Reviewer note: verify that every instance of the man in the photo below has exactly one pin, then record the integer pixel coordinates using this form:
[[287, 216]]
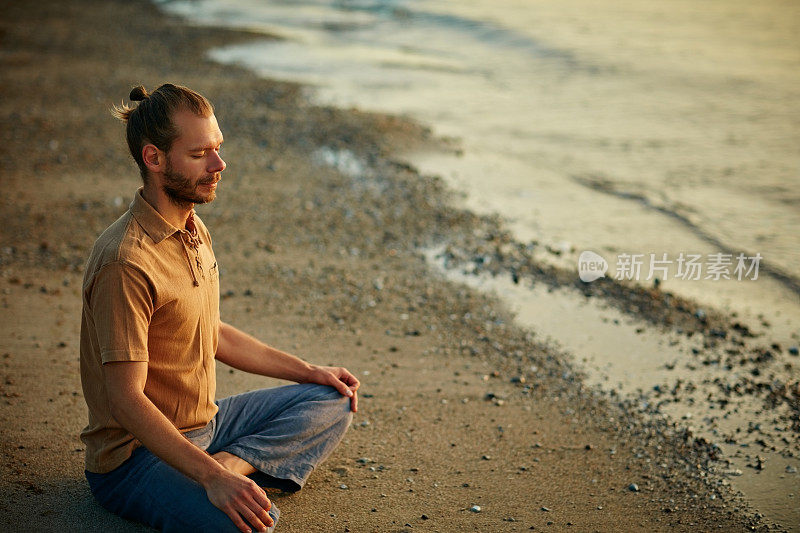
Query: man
[[159, 448]]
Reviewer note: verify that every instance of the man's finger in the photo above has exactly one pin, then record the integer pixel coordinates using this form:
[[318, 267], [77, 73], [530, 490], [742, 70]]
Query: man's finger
[[266, 518], [262, 500], [354, 402], [237, 520], [351, 379], [251, 517], [261, 509], [340, 385]]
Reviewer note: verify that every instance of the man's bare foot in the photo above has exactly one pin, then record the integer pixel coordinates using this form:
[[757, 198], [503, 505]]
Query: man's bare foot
[[234, 463]]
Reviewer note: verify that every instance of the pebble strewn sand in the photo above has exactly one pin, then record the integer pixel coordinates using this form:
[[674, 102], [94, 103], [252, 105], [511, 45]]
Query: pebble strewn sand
[[459, 408]]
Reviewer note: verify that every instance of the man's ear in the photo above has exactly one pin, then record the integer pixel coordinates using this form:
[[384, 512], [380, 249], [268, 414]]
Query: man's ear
[[153, 158]]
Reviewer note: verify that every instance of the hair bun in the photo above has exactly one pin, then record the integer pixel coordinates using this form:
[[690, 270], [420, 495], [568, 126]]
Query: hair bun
[[139, 93]]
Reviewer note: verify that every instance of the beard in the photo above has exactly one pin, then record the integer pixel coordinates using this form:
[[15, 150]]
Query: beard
[[183, 191]]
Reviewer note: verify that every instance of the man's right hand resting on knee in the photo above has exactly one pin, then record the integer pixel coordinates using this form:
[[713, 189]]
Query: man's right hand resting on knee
[[236, 495]]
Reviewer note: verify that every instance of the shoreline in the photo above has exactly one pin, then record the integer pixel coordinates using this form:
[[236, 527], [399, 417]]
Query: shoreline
[[332, 267], [604, 178]]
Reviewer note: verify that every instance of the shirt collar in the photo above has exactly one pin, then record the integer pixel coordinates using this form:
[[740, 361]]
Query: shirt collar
[[156, 227]]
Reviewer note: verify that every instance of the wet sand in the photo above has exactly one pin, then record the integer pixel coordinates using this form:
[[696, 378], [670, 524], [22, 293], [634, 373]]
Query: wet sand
[[459, 405]]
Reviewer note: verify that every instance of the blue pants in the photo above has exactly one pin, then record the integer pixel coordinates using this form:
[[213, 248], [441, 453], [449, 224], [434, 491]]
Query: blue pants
[[284, 432]]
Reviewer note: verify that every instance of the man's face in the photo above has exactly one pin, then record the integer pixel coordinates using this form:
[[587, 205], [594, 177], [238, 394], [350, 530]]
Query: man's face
[[193, 164]]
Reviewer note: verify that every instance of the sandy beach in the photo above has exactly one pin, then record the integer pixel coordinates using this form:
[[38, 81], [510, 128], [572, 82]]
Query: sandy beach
[[459, 405]]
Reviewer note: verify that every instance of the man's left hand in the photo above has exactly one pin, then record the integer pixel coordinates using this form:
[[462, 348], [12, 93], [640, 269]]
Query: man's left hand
[[339, 378]]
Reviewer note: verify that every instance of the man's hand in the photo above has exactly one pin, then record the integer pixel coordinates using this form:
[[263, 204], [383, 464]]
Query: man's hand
[[240, 350], [240, 497], [236, 495], [337, 377]]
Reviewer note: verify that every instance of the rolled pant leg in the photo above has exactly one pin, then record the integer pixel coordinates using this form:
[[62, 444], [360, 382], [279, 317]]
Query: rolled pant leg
[[284, 432], [146, 489]]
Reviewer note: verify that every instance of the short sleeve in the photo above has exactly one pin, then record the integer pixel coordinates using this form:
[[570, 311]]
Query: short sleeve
[[121, 304]]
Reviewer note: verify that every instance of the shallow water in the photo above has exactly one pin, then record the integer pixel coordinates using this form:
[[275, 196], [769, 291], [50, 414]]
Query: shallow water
[[635, 128], [626, 127], [621, 354]]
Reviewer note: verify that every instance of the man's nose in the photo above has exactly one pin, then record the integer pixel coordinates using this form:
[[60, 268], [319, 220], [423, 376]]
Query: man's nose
[[216, 164]]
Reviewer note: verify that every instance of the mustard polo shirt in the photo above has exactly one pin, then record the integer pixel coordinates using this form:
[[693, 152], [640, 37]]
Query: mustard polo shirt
[[150, 293]]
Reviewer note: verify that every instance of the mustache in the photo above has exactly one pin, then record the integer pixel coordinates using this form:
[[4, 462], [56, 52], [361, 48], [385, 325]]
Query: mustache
[[211, 180]]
